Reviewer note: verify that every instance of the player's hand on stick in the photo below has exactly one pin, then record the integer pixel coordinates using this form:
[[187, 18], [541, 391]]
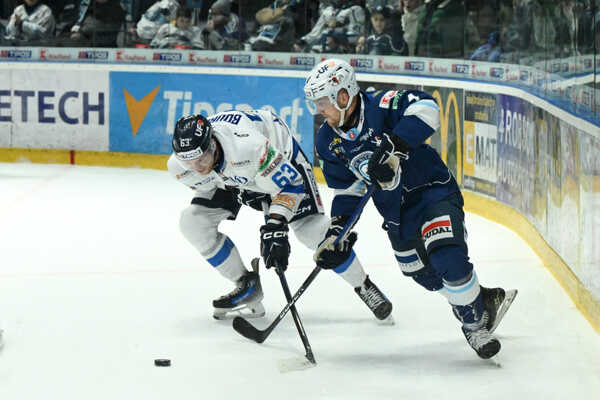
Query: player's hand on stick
[[328, 256], [274, 244]]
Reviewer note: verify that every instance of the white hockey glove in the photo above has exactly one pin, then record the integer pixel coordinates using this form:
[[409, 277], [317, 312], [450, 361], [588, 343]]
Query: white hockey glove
[[328, 256], [384, 166]]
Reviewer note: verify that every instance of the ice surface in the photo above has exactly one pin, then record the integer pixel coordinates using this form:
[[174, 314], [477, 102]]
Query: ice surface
[[96, 282]]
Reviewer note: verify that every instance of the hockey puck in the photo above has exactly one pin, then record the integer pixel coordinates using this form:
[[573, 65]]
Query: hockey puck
[[162, 362]]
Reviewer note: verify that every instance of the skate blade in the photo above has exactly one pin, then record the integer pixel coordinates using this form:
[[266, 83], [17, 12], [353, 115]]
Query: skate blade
[[389, 321], [509, 297], [245, 310], [294, 364]]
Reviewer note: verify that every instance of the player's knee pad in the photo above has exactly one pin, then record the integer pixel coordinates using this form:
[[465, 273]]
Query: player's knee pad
[[413, 262], [199, 226], [451, 263], [311, 229]]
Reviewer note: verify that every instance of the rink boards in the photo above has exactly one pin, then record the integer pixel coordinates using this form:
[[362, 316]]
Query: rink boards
[[526, 162]]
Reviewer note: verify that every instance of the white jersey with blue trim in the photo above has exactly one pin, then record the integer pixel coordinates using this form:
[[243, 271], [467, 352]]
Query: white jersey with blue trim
[[258, 155]]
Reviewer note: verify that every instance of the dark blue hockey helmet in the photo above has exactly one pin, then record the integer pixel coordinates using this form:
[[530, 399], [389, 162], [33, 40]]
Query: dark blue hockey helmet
[[192, 137]]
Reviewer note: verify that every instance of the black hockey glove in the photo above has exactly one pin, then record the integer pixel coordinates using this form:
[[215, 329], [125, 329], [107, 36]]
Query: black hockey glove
[[384, 166], [327, 256], [253, 199], [274, 244]]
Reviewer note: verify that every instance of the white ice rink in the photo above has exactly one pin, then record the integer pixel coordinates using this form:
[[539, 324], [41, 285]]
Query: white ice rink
[[96, 282]]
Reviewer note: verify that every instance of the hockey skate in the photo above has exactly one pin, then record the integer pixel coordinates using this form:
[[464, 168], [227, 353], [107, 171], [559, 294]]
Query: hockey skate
[[480, 339], [496, 302], [244, 300], [376, 301]]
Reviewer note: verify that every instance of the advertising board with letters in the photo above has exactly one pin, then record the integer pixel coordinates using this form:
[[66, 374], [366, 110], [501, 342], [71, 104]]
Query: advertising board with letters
[[54, 109], [145, 106]]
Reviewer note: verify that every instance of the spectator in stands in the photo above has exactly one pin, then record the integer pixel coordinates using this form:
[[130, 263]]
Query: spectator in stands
[[585, 31], [410, 22], [540, 30], [160, 13], [596, 30], [490, 51], [179, 34], [444, 31], [383, 40], [343, 18], [277, 31], [374, 4], [65, 13], [224, 30], [99, 23], [31, 22]]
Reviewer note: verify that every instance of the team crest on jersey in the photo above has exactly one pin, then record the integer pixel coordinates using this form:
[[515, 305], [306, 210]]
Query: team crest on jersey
[[387, 98], [358, 165], [436, 229]]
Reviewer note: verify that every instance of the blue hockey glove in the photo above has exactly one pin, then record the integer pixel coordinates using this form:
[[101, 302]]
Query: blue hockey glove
[[384, 166], [253, 199], [274, 244], [328, 256]]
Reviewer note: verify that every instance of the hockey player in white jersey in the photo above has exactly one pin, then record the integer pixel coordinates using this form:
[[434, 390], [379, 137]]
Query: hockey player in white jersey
[[250, 158]]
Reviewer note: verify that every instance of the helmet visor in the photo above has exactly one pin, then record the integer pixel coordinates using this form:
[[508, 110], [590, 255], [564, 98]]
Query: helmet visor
[[319, 105], [201, 160]]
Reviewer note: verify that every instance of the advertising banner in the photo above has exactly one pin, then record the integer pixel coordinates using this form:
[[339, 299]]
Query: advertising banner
[[54, 109], [480, 149], [543, 163], [516, 163], [589, 148], [145, 106], [449, 141]]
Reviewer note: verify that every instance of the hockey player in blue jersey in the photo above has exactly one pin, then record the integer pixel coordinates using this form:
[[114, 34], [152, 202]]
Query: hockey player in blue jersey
[[378, 139]]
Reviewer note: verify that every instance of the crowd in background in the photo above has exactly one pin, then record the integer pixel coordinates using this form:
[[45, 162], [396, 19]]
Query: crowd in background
[[487, 30]]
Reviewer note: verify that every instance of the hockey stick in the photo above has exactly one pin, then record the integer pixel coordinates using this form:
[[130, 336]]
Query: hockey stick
[[246, 329], [288, 296]]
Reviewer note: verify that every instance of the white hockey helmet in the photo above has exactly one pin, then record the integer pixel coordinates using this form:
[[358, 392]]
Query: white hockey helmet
[[325, 81]]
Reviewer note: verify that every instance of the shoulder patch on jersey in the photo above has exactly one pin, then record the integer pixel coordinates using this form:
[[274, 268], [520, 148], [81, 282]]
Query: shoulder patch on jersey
[[387, 98], [272, 166], [266, 158]]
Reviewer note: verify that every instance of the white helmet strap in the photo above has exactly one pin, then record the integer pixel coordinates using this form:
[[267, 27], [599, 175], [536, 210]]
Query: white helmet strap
[[343, 110]]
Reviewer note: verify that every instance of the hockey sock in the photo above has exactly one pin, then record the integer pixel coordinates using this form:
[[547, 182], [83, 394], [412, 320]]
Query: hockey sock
[[226, 259], [352, 271]]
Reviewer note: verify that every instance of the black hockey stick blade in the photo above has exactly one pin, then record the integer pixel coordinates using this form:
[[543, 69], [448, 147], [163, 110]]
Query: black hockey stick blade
[[247, 330]]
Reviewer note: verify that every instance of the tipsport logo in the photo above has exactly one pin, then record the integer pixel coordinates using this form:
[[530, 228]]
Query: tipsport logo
[[361, 63], [179, 103], [93, 55], [237, 58], [305, 61], [16, 54], [138, 109]]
